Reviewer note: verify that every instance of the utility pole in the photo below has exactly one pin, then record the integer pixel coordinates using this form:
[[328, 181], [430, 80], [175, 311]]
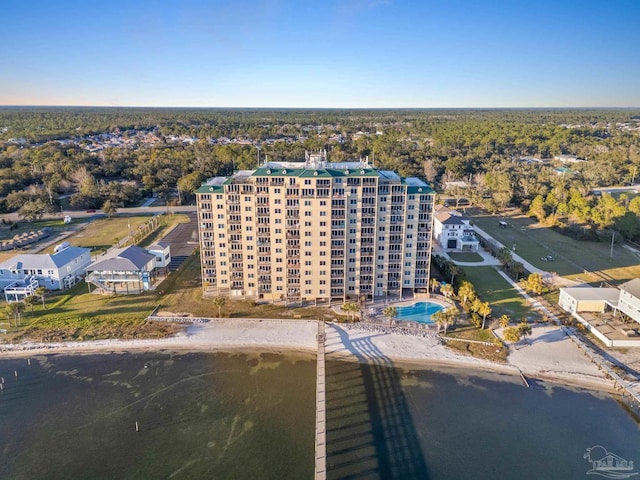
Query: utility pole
[[612, 237]]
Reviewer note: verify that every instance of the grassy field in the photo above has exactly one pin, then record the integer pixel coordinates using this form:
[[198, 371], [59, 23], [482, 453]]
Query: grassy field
[[104, 232], [494, 353], [502, 297], [587, 261], [465, 257]]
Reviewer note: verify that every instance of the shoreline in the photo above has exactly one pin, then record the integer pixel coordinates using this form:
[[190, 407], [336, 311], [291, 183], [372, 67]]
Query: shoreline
[[352, 344]]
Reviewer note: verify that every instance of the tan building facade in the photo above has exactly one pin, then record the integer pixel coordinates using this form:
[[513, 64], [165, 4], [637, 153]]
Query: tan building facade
[[315, 230]]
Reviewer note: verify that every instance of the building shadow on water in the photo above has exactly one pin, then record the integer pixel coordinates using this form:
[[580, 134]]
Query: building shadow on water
[[370, 430]]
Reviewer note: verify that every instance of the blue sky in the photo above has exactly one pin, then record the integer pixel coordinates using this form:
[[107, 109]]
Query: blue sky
[[342, 53]]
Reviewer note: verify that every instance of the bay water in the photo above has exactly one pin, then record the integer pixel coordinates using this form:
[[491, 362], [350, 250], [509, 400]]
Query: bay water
[[252, 416]]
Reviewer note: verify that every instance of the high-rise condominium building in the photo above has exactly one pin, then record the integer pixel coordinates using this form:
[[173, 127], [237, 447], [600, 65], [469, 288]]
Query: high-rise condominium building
[[315, 230]]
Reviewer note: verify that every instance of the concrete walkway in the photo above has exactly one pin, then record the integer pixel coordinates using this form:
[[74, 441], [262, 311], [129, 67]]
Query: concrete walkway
[[487, 258]]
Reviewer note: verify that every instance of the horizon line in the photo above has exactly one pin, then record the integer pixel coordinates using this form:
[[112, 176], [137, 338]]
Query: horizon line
[[611, 107]]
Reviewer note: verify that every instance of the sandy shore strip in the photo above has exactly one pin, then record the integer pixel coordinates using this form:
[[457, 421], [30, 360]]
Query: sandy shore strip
[[547, 356]]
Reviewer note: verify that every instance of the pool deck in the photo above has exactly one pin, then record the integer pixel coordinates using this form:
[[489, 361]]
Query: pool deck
[[372, 311]]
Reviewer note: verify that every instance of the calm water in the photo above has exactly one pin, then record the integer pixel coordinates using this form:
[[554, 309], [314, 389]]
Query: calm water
[[223, 416], [418, 312]]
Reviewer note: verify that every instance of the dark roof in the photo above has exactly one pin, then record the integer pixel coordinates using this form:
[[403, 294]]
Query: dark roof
[[446, 218], [126, 259], [632, 287]]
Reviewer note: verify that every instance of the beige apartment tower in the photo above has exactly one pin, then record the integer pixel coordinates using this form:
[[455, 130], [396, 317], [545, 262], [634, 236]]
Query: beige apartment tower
[[315, 231]]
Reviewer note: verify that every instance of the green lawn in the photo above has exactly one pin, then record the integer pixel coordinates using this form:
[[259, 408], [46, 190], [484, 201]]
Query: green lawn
[[572, 258], [103, 233], [502, 297], [465, 257]]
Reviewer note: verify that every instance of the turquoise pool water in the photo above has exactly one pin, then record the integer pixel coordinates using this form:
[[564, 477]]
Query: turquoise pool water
[[418, 312]]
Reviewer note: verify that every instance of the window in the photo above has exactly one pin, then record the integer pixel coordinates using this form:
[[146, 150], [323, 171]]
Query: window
[[307, 203], [322, 263], [323, 224], [307, 263], [307, 292], [220, 216], [307, 224], [323, 214]]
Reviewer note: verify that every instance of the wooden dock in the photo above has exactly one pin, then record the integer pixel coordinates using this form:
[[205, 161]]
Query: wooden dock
[[321, 412]]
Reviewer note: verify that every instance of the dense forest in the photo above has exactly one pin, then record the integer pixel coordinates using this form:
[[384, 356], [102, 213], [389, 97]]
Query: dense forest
[[493, 157]]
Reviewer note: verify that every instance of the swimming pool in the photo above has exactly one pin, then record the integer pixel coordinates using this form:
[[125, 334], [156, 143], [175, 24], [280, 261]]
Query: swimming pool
[[418, 312]]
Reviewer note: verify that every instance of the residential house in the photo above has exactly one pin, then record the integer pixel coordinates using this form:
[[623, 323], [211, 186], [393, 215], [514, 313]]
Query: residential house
[[162, 251], [629, 301], [123, 270], [587, 299], [22, 274], [453, 231]]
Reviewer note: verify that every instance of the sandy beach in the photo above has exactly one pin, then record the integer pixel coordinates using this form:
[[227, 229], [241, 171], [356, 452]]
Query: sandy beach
[[549, 354]]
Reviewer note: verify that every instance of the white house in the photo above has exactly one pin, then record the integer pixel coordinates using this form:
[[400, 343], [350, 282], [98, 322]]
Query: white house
[[54, 271], [162, 251], [629, 301], [453, 231], [588, 299], [124, 270]]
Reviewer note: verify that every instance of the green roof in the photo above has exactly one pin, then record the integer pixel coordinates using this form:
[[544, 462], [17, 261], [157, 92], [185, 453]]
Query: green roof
[[210, 189], [420, 189]]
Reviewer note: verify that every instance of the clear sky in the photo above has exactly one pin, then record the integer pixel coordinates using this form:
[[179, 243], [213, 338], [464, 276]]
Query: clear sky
[[333, 53]]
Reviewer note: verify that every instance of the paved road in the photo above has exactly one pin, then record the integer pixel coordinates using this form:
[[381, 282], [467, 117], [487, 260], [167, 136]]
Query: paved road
[[121, 211]]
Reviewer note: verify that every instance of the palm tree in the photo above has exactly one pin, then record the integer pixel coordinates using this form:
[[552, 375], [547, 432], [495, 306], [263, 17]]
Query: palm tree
[[40, 292], [447, 290], [453, 270], [524, 329], [390, 311], [15, 309], [434, 284], [350, 308], [440, 317], [484, 310], [445, 318], [467, 292], [28, 301], [504, 320], [219, 302], [511, 334]]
